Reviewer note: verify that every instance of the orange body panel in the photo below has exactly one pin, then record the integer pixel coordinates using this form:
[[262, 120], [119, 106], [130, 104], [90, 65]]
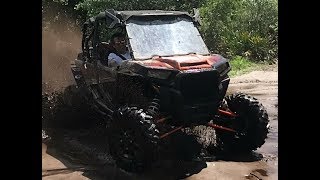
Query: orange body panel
[[186, 62]]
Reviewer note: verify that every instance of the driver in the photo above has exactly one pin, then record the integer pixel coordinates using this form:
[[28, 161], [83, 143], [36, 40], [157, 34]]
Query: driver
[[121, 53]]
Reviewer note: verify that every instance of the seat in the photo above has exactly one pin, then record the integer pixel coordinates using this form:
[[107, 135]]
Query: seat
[[103, 50]]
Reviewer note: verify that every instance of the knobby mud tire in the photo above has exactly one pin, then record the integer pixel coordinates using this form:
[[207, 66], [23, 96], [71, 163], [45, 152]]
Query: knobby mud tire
[[251, 123], [133, 139]]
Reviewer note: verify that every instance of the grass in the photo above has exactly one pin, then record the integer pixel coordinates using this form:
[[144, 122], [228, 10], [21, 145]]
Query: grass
[[241, 65]]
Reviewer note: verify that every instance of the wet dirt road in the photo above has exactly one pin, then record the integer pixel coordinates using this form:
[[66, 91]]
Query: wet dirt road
[[58, 162]]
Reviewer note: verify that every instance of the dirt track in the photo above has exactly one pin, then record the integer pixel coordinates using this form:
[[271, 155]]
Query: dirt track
[[262, 164]]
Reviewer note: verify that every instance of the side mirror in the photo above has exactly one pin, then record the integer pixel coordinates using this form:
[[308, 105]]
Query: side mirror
[[196, 16]]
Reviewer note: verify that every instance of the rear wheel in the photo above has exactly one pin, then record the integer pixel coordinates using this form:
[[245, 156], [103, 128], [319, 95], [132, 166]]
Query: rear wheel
[[251, 124], [133, 139]]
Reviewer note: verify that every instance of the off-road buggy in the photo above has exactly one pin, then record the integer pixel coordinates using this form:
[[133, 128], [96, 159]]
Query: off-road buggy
[[172, 82]]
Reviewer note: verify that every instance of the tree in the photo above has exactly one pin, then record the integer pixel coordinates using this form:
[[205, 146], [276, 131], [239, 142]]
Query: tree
[[241, 27]]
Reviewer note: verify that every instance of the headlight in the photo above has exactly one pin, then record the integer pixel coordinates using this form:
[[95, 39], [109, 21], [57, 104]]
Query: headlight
[[159, 74], [222, 66]]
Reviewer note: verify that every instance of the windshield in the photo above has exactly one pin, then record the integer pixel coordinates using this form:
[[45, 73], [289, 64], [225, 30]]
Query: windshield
[[172, 35]]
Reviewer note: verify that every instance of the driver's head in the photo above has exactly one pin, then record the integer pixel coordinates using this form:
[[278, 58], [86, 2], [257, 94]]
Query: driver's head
[[118, 42]]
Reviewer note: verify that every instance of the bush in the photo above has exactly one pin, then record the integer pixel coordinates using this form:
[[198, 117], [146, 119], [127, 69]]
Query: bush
[[242, 27], [240, 65]]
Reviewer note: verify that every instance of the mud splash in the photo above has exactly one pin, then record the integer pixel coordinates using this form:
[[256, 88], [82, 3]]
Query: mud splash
[[61, 42], [58, 50], [67, 109]]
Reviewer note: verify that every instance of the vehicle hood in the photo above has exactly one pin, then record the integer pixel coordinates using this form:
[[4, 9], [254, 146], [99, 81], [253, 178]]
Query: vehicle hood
[[185, 62]]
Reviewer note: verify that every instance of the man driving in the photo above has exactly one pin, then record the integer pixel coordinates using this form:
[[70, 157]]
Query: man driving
[[121, 53]]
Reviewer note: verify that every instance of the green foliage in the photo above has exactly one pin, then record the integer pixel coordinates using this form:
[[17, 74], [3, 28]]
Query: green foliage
[[241, 27], [93, 7], [60, 15], [240, 65]]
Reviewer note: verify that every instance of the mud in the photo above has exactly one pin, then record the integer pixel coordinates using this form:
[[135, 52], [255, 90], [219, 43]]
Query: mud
[[58, 50], [83, 154]]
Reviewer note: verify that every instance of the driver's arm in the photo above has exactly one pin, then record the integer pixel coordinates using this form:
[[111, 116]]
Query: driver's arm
[[114, 60]]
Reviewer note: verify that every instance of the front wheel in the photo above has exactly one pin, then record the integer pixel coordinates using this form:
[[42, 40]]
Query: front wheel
[[251, 124], [133, 139]]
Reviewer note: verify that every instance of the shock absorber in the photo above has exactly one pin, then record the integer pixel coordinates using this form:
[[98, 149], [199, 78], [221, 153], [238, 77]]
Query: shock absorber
[[154, 107]]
